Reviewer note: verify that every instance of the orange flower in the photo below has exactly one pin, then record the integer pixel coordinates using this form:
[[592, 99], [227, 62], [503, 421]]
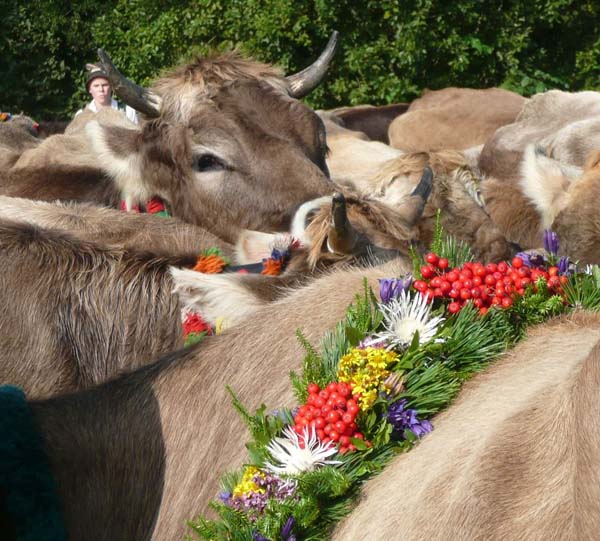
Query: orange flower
[[210, 264]]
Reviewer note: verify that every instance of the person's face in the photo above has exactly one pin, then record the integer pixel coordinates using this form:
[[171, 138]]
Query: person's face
[[100, 91]]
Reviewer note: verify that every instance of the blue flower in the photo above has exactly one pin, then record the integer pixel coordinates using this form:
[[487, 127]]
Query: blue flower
[[390, 288], [401, 419]]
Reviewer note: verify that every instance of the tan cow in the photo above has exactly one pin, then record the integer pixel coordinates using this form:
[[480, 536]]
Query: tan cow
[[454, 119], [566, 205], [565, 126], [142, 454], [517, 456], [352, 158], [155, 441]]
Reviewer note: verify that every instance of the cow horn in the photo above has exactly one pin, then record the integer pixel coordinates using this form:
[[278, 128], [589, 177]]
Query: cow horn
[[341, 238], [423, 189], [141, 99], [303, 82]]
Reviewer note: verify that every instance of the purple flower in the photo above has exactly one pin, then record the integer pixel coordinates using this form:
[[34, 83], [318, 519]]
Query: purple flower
[[225, 497], [286, 531], [551, 242], [390, 288], [401, 419], [531, 259], [565, 266]]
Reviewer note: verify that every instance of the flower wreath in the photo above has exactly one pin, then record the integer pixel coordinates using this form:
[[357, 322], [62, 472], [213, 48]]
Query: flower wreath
[[370, 391]]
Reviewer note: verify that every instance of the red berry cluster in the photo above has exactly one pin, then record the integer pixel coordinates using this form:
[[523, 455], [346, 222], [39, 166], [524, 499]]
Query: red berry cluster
[[332, 412], [485, 285]]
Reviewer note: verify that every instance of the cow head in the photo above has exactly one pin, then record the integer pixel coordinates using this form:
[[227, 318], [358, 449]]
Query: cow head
[[225, 142]]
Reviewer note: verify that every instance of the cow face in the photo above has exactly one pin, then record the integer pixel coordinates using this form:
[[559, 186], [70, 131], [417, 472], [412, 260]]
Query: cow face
[[229, 146], [249, 158]]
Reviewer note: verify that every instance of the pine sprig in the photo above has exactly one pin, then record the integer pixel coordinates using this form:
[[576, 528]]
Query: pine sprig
[[431, 389], [583, 291]]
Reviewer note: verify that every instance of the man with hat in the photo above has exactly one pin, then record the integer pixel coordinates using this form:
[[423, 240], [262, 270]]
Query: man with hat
[[98, 85]]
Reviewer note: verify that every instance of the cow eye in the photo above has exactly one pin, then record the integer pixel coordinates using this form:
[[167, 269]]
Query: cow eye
[[207, 162]]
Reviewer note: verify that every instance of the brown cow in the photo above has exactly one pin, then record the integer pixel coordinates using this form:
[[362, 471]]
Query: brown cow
[[565, 126], [517, 456], [377, 171], [565, 205], [456, 192], [227, 142], [142, 454], [76, 313], [114, 228], [372, 120], [454, 119]]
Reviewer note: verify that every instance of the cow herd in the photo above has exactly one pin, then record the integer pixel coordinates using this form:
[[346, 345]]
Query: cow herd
[[138, 430]]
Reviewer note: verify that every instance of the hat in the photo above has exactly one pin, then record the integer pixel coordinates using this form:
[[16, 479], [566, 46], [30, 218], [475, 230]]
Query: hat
[[95, 71]]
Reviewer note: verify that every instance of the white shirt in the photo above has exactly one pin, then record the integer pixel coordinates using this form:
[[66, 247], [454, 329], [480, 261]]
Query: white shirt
[[130, 112]]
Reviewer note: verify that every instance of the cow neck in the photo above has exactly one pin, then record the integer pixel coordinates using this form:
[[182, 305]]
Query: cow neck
[[213, 261]]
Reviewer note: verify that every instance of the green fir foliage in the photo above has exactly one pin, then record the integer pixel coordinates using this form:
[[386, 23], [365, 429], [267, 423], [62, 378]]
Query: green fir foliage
[[583, 290]]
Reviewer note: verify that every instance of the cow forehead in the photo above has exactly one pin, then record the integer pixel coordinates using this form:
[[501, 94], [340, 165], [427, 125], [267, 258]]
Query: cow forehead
[[252, 112]]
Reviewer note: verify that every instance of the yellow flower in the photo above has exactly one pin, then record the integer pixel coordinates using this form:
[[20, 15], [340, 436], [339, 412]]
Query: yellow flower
[[365, 370], [247, 483]]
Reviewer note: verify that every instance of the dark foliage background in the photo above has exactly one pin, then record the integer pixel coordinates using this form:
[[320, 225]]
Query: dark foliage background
[[390, 49]]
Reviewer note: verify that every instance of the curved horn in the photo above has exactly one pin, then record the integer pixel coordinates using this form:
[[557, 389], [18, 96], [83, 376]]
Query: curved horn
[[138, 97], [308, 79], [341, 238], [423, 189]]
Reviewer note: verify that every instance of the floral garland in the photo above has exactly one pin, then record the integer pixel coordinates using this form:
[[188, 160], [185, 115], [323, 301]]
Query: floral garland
[[371, 390]]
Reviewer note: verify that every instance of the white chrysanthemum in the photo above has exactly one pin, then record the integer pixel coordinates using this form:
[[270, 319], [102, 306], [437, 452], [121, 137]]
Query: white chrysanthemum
[[293, 459], [589, 269], [404, 316]]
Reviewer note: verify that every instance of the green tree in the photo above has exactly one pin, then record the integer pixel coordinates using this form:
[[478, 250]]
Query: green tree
[[390, 50]]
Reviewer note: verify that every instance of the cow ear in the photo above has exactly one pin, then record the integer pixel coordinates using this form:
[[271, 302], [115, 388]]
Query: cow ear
[[544, 183], [215, 296], [119, 153], [411, 207], [593, 160]]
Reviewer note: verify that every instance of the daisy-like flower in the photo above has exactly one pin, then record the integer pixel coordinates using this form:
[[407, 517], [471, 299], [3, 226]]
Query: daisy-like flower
[[403, 317], [293, 459]]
